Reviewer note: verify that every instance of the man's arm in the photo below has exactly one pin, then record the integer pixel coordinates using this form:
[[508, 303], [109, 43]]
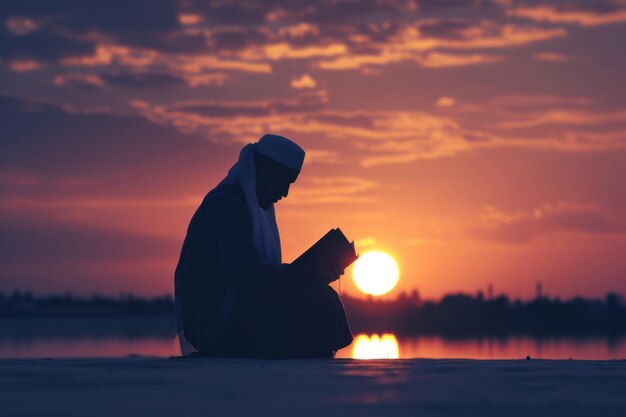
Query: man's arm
[[240, 265]]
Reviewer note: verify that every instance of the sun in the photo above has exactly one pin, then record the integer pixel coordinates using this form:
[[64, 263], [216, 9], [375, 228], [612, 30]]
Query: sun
[[375, 273]]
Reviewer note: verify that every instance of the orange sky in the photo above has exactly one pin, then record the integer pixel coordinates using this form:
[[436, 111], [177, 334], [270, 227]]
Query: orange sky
[[476, 142]]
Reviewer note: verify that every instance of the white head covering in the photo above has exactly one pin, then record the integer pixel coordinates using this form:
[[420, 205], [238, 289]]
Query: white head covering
[[264, 228], [281, 150]]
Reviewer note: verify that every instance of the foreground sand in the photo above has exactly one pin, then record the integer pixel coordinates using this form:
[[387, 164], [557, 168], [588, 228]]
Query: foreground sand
[[213, 387]]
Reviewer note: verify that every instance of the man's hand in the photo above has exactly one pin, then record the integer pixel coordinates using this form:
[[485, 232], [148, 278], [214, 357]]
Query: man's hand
[[330, 273], [323, 273]]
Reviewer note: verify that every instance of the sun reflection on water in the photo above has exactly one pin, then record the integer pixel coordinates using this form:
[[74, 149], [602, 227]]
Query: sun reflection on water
[[375, 347]]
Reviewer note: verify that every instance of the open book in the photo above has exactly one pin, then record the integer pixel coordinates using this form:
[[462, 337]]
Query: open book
[[333, 248]]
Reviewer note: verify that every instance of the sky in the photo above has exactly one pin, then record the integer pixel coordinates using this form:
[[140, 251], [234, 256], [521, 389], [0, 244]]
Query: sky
[[477, 142]]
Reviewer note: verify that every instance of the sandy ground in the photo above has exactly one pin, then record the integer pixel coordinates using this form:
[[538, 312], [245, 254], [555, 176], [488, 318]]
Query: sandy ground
[[139, 386]]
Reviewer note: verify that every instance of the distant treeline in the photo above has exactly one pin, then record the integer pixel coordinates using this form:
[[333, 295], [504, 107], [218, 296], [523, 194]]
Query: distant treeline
[[24, 304], [465, 315], [453, 315]]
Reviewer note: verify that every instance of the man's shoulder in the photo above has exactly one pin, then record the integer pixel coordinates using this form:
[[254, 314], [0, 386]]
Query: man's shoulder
[[226, 197]]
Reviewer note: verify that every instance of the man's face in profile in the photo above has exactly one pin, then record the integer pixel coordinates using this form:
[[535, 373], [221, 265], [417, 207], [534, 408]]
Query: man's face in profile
[[272, 180]]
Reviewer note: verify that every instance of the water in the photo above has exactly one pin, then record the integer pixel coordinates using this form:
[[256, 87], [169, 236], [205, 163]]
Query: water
[[110, 337]]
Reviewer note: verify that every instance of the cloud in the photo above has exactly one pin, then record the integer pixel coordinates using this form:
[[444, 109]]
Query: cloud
[[143, 80], [205, 80], [572, 141], [235, 120], [193, 37], [322, 156], [284, 50], [41, 47], [355, 61], [142, 59], [20, 26], [441, 60], [113, 16], [183, 41], [525, 103], [304, 82], [381, 137], [199, 63], [244, 13], [594, 13], [232, 13], [565, 117], [446, 102], [549, 57], [523, 227], [342, 12], [81, 81], [298, 31], [377, 138], [329, 190], [237, 38], [484, 34], [426, 60], [301, 103], [438, 43], [110, 54], [137, 80], [189, 19], [25, 65]]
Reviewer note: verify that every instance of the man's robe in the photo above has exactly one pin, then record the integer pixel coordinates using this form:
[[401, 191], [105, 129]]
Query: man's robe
[[235, 304]]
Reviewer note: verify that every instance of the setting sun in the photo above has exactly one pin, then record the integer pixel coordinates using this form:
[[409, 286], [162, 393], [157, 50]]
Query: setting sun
[[375, 273]]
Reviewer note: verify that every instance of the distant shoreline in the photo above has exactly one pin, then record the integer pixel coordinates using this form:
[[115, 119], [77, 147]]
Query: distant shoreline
[[455, 315]]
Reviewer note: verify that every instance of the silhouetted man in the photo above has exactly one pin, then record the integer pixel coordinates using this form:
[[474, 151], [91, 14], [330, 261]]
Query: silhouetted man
[[234, 297]]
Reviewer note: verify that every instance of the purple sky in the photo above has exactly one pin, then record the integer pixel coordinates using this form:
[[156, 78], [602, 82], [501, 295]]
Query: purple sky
[[476, 142]]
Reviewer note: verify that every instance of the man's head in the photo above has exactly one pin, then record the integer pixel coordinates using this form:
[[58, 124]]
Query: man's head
[[277, 163]]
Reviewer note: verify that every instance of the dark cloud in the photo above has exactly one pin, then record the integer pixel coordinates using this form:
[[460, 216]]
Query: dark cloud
[[233, 12], [446, 28], [328, 12], [447, 4], [596, 6], [361, 121], [523, 228], [112, 16], [237, 38], [143, 80], [85, 82], [585, 13], [303, 103], [60, 23], [170, 42], [381, 32], [227, 110], [323, 12], [477, 137], [41, 46], [223, 28]]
